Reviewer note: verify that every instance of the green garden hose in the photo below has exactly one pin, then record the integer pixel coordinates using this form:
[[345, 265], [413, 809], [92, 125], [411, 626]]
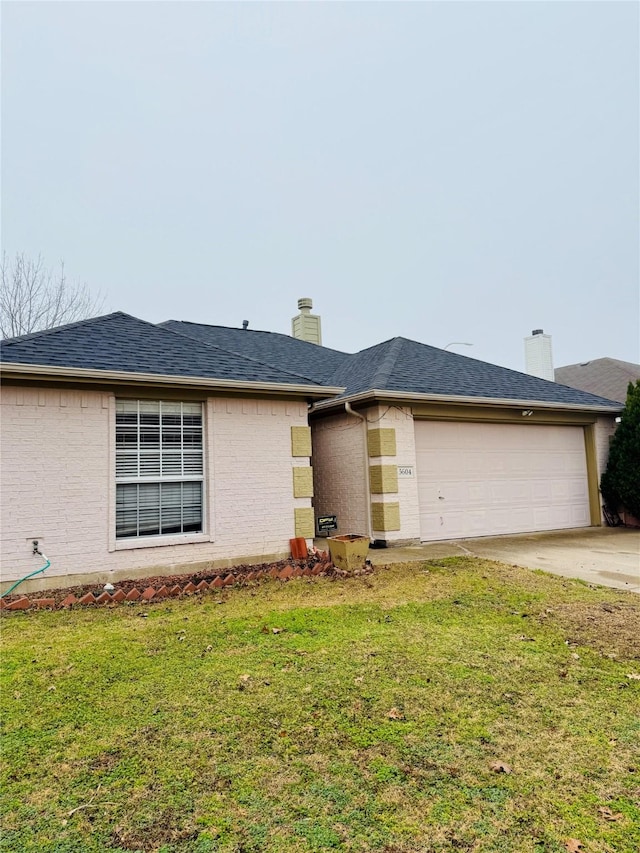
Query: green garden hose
[[26, 578]]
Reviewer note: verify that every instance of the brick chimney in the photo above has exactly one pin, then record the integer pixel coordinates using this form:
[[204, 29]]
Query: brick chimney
[[538, 356]]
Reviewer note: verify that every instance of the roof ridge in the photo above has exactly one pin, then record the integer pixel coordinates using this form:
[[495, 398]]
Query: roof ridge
[[387, 364], [617, 361], [237, 354], [253, 331], [44, 332], [216, 326]]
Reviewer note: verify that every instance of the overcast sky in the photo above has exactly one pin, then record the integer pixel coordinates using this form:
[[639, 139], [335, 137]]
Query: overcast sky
[[443, 171]]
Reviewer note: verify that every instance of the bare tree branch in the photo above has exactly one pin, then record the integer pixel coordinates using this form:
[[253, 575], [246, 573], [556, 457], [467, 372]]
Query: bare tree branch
[[31, 298]]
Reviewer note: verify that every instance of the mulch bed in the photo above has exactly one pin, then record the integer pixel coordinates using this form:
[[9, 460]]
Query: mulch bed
[[159, 587]]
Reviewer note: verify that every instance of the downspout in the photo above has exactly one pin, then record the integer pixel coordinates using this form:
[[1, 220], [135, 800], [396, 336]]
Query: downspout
[[365, 458]]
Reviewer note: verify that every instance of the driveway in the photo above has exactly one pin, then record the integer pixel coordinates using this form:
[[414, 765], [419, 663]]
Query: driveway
[[609, 556]]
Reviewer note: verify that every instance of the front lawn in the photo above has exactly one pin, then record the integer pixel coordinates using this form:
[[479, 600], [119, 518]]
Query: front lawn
[[355, 715]]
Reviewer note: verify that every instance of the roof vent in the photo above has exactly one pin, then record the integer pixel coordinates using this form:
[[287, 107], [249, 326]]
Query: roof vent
[[245, 324], [306, 326]]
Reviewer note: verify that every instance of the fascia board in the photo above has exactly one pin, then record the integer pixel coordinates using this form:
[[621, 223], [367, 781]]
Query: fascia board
[[80, 374], [375, 395]]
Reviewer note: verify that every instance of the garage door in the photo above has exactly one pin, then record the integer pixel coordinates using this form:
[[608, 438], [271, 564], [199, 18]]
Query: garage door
[[488, 479]]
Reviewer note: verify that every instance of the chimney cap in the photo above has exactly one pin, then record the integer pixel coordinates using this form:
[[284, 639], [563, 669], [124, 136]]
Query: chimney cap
[[538, 332], [305, 302]]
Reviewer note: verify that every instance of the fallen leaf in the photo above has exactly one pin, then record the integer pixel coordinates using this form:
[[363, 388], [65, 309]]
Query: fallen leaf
[[573, 845], [634, 675], [276, 630], [50, 688], [607, 814], [526, 639], [395, 714], [500, 767], [575, 656]]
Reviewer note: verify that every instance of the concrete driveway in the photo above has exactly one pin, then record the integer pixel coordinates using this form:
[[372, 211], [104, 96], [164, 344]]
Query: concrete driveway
[[600, 555]]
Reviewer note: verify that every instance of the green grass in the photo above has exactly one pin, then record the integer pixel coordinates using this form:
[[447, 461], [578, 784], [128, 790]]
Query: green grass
[[193, 726]]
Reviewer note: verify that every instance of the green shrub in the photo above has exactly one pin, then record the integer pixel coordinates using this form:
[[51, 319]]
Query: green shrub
[[620, 483]]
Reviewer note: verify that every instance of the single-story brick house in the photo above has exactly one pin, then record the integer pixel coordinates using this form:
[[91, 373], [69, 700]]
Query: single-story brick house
[[129, 448]]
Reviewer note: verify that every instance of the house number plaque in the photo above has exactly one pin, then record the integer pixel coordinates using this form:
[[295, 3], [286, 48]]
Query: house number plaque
[[405, 470]]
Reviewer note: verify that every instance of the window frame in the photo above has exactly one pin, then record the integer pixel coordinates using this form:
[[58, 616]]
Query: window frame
[[138, 451]]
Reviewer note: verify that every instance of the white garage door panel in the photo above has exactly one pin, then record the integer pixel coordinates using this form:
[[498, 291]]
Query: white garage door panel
[[487, 479]]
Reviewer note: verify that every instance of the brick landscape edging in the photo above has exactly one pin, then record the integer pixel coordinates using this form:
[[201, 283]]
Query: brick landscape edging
[[317, 565]]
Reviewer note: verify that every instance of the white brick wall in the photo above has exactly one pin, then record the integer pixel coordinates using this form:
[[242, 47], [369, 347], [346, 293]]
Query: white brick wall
[[401, 419], [338, 471], [58, 484], [605, 428]]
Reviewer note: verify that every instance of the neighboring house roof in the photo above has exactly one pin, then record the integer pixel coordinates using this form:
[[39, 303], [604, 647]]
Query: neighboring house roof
[[118, 345], [287, 353], [119, 342], [401, 365], [607, 377]]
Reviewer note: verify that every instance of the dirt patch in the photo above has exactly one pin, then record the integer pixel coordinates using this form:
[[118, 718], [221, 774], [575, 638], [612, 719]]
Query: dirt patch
[[168, 826], [612, 628]]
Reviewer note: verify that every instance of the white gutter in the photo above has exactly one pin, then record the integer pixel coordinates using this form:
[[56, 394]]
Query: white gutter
[[412, 396], [367, 485], [81, 374]]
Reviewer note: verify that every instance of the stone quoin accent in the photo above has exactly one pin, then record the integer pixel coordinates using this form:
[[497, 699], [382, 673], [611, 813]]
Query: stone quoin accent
[[304, 522], [382, 441], [303, 482], [383, 479], [385, 516], [300, 441]]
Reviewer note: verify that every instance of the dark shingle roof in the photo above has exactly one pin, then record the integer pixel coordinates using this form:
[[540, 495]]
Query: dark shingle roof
[[402, 365], [124, 343], [287, 353], [607, 377]]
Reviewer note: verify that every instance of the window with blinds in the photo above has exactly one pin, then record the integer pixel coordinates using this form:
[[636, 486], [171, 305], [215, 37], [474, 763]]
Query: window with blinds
[[159, 468]]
